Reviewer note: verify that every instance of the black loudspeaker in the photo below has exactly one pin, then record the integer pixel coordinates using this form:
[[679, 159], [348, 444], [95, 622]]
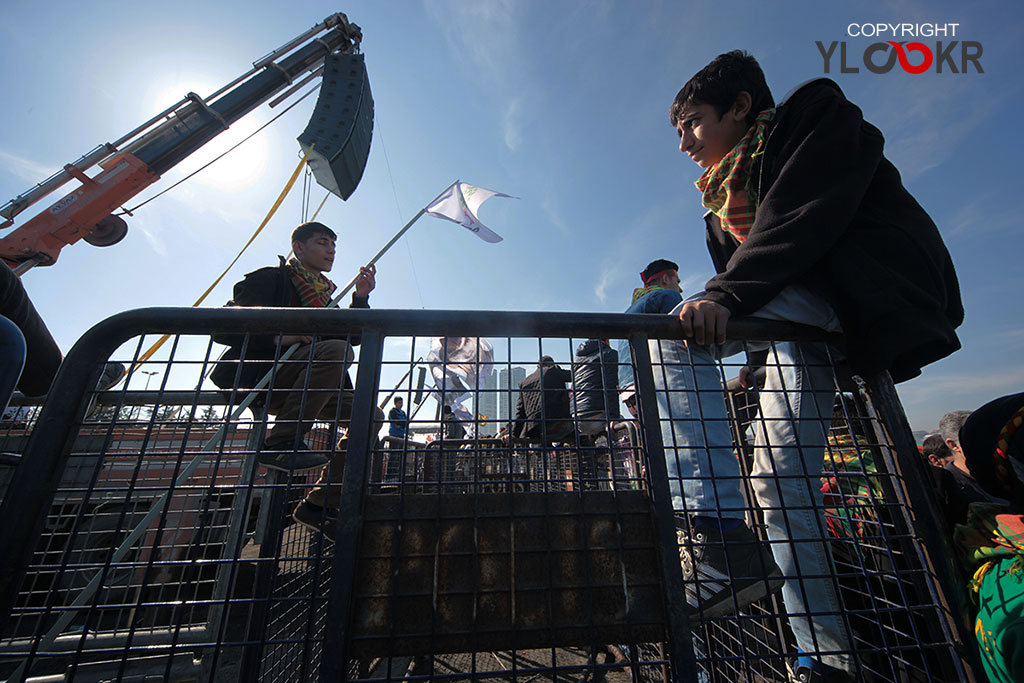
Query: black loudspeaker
[[341, 126], [419, 386]]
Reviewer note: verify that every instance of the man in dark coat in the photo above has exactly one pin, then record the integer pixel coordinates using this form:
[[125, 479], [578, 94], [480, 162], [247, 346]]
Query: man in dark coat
[[808, 222], [595, 386], [542, 411]]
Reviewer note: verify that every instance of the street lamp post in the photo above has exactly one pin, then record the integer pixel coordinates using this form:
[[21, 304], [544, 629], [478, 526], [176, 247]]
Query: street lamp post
[[149, 375]]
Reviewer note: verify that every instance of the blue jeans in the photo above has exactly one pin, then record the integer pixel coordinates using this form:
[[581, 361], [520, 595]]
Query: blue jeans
[[12, 359], [789, 443]]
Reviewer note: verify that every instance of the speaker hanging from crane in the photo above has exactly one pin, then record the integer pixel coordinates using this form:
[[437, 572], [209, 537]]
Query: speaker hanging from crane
[[341, 126]]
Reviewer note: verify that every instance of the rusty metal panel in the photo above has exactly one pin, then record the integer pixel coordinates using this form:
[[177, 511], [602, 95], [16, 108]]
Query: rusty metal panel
[[454, 573]]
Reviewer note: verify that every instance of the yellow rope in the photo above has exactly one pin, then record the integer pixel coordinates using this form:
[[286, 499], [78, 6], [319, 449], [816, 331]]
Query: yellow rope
[[322, 202], [284, 193]]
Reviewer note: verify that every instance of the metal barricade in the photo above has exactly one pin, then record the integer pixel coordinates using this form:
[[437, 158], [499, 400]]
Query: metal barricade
[[146, 541]]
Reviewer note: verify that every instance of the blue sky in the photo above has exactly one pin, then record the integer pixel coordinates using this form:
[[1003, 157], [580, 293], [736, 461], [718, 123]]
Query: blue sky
[[563, 104]]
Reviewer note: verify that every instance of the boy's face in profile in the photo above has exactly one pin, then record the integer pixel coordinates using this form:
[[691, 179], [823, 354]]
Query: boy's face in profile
[[705, 136]]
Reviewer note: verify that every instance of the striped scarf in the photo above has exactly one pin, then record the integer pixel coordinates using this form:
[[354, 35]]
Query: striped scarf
[[314, 288], [640, 291], [727, 188]]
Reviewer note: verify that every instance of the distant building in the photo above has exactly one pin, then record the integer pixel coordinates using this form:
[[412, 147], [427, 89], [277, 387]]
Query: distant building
[[496, 402], [508, 392], [487, 405]]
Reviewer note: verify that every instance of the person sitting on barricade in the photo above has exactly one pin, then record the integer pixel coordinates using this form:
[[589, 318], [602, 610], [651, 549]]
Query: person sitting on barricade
[[595, 387], [542, 411], [314, 382], [991, 542], [809, 223]]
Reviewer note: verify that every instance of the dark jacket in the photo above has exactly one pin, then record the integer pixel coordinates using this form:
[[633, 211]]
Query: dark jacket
[[595, 374], [542, 398], [42, 355], [272, 287], [834, 216]]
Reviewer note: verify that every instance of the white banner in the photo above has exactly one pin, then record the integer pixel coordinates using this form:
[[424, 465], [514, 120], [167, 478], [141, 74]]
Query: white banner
[[461, 203]]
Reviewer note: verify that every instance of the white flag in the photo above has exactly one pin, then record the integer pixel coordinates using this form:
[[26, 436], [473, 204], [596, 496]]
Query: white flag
[[460, 204], [458, 364]]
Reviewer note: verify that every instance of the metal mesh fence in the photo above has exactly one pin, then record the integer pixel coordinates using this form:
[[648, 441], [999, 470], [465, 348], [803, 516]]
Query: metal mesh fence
[[180, 532]]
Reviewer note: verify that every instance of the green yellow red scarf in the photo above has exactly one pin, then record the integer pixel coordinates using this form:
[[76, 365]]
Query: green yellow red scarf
[[727, 188], [991, 533], [314, 288], [640, 291]]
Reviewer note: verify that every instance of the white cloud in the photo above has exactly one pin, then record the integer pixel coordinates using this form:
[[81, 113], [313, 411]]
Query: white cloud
[[555, 216], [916, 139], [29, 170], [606, 278], [964, 387], [512, 124]]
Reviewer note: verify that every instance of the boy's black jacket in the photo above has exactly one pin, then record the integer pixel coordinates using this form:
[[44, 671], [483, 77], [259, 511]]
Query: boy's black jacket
[[835, 217], [271, 286]]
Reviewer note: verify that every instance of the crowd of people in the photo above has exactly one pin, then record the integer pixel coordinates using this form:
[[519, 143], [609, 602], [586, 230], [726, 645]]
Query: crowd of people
[[807, 222]]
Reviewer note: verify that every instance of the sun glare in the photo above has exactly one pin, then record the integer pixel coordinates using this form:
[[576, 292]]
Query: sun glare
[[239, 168]]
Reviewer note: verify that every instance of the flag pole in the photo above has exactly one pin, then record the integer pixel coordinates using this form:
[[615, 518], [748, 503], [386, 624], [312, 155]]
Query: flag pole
[[391, 243]]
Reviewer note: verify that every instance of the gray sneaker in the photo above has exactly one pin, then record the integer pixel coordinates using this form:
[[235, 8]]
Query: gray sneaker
[[287, 459], [726, 572]]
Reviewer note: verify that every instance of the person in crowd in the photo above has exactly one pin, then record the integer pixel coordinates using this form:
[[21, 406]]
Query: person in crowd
[[398, 420], [542, 411], [451, 426], [660, 294], [935, 451], [959, 488], [991, 542], [807, 222], [314, 382], [595, 386]]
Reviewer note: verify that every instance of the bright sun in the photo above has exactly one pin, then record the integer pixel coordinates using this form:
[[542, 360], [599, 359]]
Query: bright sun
[[241, 167]]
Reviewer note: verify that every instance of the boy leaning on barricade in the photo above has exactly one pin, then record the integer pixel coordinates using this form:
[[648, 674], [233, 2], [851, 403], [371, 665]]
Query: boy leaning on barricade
[[809, 223]]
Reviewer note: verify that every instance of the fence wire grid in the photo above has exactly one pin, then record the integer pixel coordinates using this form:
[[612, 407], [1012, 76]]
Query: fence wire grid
[[151, 541]]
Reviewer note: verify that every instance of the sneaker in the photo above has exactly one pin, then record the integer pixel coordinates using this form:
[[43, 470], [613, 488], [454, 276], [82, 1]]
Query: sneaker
[[287, 459], [726, 571], [316, 518]]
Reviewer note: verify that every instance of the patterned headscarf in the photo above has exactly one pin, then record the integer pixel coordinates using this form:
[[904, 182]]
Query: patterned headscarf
[[727, 187], [314, 288]]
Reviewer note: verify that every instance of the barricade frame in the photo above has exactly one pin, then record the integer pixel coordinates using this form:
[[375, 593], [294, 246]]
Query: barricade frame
[[34, 484]]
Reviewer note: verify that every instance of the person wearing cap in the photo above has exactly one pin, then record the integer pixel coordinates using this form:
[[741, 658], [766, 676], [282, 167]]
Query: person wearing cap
[[660, 294]]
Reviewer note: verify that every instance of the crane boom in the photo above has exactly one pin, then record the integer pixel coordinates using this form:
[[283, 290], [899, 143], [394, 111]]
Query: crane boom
[[138, 159]]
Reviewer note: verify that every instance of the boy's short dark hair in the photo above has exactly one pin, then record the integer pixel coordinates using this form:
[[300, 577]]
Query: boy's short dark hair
[[657, 267], [720, 83], [307, 230], [934, 444]]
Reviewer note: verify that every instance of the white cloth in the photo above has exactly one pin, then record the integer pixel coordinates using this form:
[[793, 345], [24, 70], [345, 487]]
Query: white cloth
[[460, 204]]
